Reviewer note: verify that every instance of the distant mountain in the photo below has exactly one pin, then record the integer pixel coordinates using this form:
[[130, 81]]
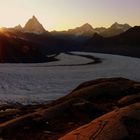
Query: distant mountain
[[84, 30], [87, 30], [18, 28], [100, 30], [129, 37], [96, 39], [115, 29], [34, 26], [122, 27], [24, 47]]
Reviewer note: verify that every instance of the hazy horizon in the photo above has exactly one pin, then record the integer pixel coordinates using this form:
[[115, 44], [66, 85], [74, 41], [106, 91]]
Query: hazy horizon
[[67, 14]]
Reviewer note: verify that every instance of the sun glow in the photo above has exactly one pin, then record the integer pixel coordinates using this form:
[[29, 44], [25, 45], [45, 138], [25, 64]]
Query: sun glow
[[5, 32], [2, 30]]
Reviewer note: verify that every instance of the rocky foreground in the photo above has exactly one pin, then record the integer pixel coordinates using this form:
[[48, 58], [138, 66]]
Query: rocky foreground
[[103, 109]]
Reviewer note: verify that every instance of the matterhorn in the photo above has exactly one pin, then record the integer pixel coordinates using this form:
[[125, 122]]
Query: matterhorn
[[34, 26]]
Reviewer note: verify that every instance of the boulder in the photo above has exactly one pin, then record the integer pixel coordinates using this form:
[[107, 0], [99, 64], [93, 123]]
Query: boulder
[[120, 124]]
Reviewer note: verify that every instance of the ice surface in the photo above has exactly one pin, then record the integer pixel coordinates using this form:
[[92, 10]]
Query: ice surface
[[35, 83]]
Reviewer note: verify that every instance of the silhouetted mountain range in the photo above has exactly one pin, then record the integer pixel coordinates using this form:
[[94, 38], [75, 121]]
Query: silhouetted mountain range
[[130, 37], [17, 50], [17, 46], [87, 30], [115, 29], [33, 43]]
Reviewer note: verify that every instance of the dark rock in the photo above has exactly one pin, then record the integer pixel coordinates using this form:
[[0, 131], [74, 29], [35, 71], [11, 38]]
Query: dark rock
[[127, 100], [116, 125], [84, 104]]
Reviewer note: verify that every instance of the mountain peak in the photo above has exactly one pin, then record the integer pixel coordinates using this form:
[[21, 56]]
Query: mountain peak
[[115, 25], [84, 30], [34, 26], [18, 27], [120, 26], [33, 17], [87, 26]]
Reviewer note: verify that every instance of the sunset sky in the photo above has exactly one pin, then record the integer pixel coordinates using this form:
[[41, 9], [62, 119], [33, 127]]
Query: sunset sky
[[65, 14]]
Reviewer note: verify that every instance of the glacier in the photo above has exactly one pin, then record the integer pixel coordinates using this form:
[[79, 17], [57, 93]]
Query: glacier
[[44, 82]]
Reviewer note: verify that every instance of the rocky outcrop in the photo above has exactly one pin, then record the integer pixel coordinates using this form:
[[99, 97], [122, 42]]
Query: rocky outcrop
[[105, 105], [120, 124]]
